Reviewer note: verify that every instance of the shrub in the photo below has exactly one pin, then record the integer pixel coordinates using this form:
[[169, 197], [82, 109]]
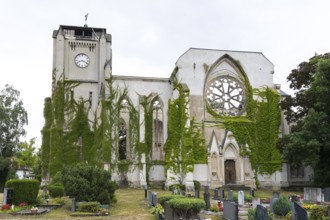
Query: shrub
[[178, 186], [56, 191], [214, 208], [248, 198], [252, 214], [89, 207], [164, 198], [187, 208], [197, 185], [87, 183], [24, 190], [318, 212], [282, 206]]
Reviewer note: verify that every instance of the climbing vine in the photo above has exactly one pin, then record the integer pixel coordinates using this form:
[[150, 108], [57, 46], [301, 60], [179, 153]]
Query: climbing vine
[[257, 132], [185, 145]]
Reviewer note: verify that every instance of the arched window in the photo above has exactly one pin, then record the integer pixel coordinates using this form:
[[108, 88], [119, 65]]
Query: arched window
[[158, 127], [122, 145]]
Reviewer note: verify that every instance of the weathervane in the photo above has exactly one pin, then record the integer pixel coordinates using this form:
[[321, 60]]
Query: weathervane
[[86, 16]]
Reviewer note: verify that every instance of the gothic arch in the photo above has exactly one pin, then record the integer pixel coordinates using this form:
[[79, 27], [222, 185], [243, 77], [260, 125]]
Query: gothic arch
[[224, 87], [158, 128]]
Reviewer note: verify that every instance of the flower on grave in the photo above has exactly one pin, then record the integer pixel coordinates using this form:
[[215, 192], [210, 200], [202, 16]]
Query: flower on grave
[[5, 207], [34, 208], [22, 204]]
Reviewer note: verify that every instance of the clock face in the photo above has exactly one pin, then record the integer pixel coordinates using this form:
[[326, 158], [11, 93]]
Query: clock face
[[81, 60]]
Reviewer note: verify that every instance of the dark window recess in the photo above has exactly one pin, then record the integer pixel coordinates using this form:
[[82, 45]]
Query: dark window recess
[[83, 33]]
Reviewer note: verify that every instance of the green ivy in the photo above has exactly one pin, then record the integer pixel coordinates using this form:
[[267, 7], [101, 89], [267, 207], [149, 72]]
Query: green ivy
[[185, 145]]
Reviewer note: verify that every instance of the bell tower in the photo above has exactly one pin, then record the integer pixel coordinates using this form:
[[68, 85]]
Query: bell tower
[[83, 55]]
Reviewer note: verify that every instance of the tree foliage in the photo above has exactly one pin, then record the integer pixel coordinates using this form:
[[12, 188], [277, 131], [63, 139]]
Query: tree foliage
[[309, 143], [13, 117], [87, 183]]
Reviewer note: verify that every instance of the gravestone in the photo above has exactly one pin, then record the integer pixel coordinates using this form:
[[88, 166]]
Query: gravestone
[[230, 195], [222, 194], [240, 198], [313, 194], [216, 194], [154, 199], [73, 205], [326, 194], [207, 197], [149, 198], [230, 210], [262, 213], [272, 201], [276, 194], [8, 196], [252, 192], [255, 202], [298, 212], [328, 211]]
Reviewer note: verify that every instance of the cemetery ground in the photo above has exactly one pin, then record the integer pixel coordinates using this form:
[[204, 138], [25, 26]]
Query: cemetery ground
[[131, 205]]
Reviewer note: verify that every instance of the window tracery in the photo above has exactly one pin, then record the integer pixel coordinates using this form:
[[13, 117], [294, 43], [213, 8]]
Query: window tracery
[[226, 96]]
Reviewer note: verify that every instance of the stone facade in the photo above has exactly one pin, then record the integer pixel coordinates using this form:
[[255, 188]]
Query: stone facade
[[201, 71]]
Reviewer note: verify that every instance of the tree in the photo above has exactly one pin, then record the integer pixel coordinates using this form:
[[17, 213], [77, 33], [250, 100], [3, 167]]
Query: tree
[[13, 117], [309, 143], [25, 156]]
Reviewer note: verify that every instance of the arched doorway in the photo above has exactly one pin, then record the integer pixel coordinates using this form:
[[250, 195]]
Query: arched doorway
[[230, 172]]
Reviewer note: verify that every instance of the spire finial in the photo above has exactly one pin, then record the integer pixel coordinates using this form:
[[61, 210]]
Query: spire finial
[[86, 16]]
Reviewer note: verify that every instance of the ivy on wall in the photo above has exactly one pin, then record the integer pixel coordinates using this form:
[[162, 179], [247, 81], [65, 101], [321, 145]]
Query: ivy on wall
[[185, 145], [257, 131]]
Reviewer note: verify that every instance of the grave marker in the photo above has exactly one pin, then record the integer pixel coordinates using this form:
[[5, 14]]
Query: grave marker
[[298, 212], [230, 210], [240, 198], [262, 213]]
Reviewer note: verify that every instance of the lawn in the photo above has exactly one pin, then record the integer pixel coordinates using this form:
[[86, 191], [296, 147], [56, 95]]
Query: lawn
[[131, 205]]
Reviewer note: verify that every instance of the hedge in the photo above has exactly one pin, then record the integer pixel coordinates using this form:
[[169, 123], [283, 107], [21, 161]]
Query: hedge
[[25, 190], [56, 190], [93, 207], [187, 207], [164, 198]]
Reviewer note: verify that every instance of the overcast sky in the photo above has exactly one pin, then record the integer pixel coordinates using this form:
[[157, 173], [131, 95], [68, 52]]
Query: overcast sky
[[149, 36]]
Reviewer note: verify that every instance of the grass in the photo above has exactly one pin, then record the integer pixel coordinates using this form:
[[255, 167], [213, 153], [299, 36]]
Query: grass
[[131, 205]]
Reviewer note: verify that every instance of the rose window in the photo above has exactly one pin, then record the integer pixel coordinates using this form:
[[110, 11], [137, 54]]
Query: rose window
[[226, 96]]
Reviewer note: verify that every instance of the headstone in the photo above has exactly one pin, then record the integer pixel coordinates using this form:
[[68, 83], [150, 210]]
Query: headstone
[[73, 205], [298, 212], [262, 213], [216, 194], [240, 198], [252, 192], [272, 201], [8, 196], [326, 193], [207, 198], [276, 194], [313, 194], [149, 198], [154, 199], [196, 193], [230, 195], [255, 202], [328, 211], [230, 210], [222, 194]]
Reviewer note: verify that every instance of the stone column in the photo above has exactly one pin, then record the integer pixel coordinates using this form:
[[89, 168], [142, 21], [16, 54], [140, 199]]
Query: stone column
[[143, 171]]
